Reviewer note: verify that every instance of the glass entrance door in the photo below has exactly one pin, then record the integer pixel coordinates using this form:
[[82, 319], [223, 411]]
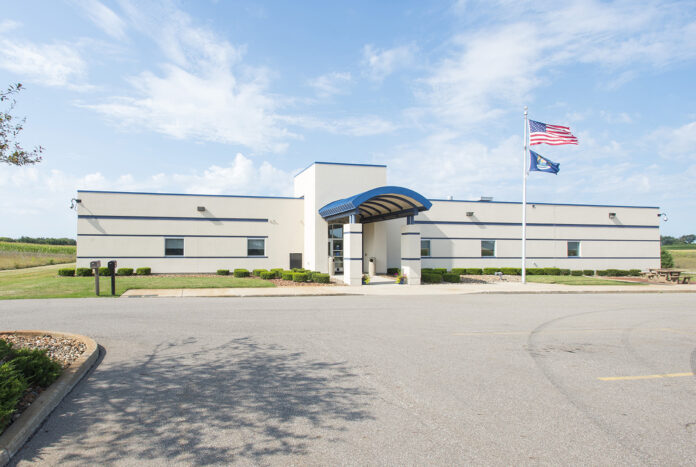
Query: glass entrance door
[[336, 246]]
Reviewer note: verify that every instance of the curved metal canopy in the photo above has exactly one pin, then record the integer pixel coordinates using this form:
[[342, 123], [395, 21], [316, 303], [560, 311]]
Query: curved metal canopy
[[386, 202]]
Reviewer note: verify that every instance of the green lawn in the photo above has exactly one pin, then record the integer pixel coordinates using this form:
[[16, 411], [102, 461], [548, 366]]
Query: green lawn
[[577, 280], [691, 246], [684, 259], [44, 282]]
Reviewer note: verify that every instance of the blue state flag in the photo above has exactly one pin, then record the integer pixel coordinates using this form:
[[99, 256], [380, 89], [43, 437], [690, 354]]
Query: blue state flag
[[542, 164]]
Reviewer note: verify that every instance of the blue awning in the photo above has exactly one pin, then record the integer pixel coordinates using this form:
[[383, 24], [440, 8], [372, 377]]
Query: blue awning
[[386, 202]]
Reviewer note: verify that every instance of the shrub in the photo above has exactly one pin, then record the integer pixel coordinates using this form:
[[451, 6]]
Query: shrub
[[36, 366], [450, 277], [12, 386], [426, 270], [66, 272], [277, 272], [241, 273], [287, 275], [588, 272], [565, 272], [321, 278], [365, 279], [536, 271], [474, 271], [124, 271], [511, 271], [431, 278], [223, 272], [393, 271], [601, 272], [5, 350], [143, 271], [267, 275], [616, 272], [634, 272], [552, 271], [299, 277], [440, 271], [490, 271], [84, 272], [459, 271], [576, 273], [666, 259], [104, 271], [257, 272]]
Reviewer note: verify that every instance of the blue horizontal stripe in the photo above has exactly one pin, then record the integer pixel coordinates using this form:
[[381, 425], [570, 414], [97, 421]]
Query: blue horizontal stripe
[[530, 224], [543, 204], [172, 235], [410, 259], [543, 239], [184, 194], [353, 233], [541, 257], [150, 218], [352, 259], [173, 257], [410, 233]]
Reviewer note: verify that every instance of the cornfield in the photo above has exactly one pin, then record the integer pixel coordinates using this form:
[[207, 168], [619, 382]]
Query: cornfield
[[26, 255]]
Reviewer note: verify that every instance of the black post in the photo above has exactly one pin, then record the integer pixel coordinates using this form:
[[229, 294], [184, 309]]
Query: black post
[[112, 270]]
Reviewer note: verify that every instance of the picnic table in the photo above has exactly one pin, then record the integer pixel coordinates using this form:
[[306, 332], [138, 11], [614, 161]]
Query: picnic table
[[669, 275]]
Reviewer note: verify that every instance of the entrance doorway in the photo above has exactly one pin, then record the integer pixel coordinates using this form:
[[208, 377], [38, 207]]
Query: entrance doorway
[[336, 246]]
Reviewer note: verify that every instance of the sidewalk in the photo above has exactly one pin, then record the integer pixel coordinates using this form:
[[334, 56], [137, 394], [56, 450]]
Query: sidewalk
[[394, 289]]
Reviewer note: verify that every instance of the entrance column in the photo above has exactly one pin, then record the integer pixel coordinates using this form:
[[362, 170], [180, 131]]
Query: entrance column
[[411, 254], [352, 254]]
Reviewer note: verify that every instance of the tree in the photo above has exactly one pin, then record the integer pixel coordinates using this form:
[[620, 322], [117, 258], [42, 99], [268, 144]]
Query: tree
[[688, 238], [666, 260], [11, 152]]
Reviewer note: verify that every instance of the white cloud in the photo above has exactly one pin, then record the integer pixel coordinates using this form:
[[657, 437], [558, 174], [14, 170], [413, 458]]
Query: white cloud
[[203, 93], [369, 125], [331, 84], [56, 64], [675, 143], [380, 63], [103, 17]]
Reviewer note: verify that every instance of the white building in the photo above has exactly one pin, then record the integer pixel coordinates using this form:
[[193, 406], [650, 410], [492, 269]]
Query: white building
[[347, 211]]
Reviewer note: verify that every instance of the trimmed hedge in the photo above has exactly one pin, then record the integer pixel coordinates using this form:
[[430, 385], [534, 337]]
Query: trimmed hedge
[[587, 272], [426, 270], [241, 273], [83, 272], [223, 272], [392, 271], [511, 271], [576, 273], [552, 271], [300, 277], [565, 272], [267, 275], [634, 272], [104, 271], [143, 271], [474, 271], [450, 277], [257, 272], [490, 271], [287, 275], [440, 271], [536, 271], [459, 271], [124, 271], [431, 278], [67, 272], [277, 272], [321, 278]]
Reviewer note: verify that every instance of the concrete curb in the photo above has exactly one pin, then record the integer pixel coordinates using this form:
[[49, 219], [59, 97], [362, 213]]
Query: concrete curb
[[25, 426]]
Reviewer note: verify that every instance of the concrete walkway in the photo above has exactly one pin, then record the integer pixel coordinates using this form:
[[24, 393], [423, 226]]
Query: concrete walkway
[[380, 287]]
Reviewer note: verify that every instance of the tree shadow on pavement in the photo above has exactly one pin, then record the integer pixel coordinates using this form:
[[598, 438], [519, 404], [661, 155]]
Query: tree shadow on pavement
[[205, 405]]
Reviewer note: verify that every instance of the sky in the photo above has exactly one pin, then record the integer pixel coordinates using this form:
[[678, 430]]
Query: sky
[[235, 97]]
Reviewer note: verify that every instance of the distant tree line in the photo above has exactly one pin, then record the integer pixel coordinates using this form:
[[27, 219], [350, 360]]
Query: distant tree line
[[683, 240], [40, 240]]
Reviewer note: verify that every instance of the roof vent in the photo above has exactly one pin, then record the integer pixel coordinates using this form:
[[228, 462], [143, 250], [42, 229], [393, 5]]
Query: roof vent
[[486, 198]]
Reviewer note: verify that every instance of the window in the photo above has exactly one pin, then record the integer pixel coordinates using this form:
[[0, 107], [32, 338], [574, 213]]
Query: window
[[335, 230], [173, 247], [573, 249], [487, 247], [425, 247], [256, 247]]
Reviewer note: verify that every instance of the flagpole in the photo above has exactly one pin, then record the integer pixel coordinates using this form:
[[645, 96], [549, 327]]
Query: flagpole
[[524, 200]]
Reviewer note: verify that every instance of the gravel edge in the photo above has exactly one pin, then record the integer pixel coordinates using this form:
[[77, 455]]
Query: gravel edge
[[17, 434]]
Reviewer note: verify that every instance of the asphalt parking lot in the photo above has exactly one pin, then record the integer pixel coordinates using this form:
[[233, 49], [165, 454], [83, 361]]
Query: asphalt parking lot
[[600, 379]]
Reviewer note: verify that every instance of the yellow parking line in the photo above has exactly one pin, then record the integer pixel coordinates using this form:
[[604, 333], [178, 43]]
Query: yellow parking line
[[628, 378]]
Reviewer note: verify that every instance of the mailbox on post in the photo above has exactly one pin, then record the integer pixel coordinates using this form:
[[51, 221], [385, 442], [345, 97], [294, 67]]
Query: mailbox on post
[[95, 265], [112, 272]]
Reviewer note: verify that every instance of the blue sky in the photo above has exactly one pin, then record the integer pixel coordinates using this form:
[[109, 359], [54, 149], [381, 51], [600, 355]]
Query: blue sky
[[235, 97]]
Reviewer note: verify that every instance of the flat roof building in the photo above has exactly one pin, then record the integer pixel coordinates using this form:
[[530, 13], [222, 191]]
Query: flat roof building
[[347, 212]]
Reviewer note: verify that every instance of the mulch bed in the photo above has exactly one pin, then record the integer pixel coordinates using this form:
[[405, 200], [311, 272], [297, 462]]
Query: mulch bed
[[61, 349]]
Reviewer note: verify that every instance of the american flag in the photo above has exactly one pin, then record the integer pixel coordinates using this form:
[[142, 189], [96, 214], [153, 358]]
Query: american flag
[[542, 133]]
